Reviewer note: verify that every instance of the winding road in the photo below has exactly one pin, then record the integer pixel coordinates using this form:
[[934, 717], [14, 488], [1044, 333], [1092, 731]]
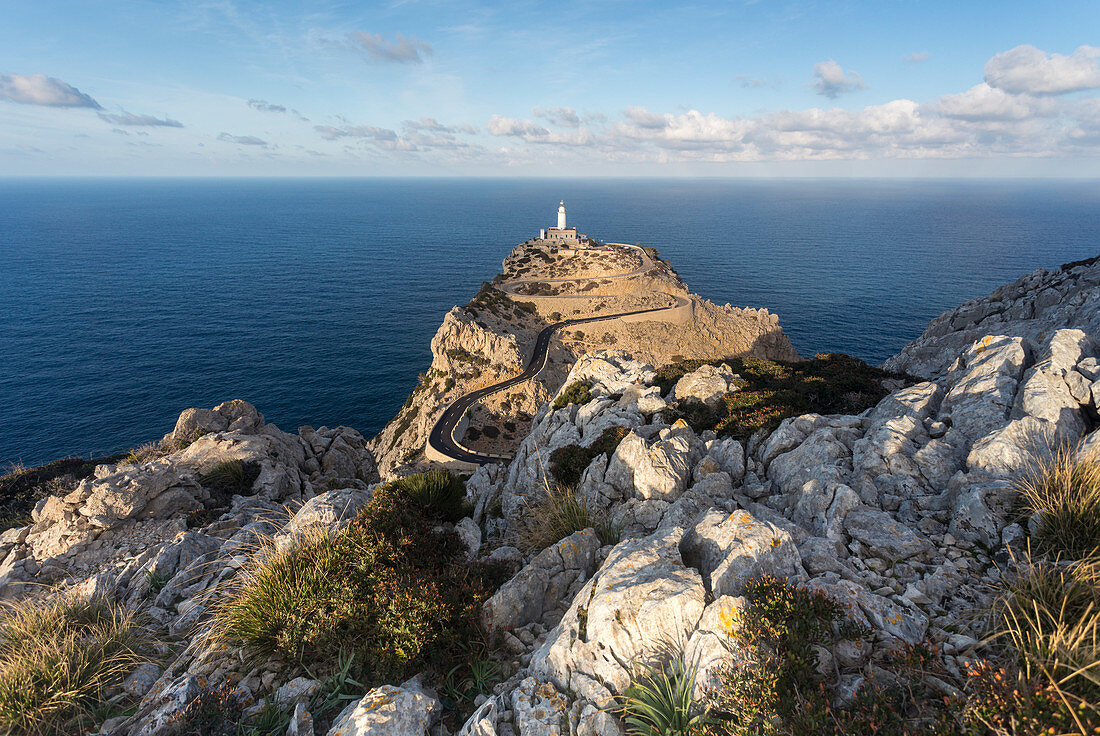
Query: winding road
[[441, 439]]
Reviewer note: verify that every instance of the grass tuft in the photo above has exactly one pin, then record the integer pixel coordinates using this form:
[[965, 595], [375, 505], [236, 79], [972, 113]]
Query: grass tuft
[[1062, 490], [61, 659], [558, 513]]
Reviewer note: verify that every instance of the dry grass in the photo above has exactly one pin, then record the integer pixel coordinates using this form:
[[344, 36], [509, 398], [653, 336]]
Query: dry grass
[[1062, 489], [59, 661], [1051, 619], [557, 513]]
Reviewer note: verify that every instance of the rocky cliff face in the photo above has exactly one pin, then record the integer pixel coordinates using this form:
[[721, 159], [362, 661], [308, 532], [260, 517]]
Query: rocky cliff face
[[491, 338]]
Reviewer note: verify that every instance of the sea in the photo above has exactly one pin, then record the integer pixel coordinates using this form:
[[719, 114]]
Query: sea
[[125, 301]]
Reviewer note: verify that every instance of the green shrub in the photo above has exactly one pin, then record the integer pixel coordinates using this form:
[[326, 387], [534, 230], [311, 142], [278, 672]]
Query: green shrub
[[771, 391], [577, 392], [391, 589], [1062, 490], [490, 431], [568, 463], [437, 494], [660, 701], [61, 659], [558, 513]]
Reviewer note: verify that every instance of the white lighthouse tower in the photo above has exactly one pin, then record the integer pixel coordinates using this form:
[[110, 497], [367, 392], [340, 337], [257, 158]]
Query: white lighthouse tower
[[561, 215]]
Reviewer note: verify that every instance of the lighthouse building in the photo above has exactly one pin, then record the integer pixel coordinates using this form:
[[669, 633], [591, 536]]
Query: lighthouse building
[[567, 236]]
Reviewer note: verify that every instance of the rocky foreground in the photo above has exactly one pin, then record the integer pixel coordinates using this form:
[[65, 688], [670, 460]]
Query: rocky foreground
[[900, 513]]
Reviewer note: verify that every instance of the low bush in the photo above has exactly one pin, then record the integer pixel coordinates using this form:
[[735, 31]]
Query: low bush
[[770, 391], [1062, 490], [779, 690], [437, 494], [392, 589], [577, 392], [568, 463], [61, 659], [556, 514]]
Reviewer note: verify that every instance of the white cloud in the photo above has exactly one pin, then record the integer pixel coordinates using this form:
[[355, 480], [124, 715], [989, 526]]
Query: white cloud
[[982, 102], [498, 125], [242, 140], [402, 49], [916, 57], [129, 118], [566, 117], [1028, 70], [38, 89], [831, 80]]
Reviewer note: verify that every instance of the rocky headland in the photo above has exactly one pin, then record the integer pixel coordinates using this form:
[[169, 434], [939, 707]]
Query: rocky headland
[[795, 546]]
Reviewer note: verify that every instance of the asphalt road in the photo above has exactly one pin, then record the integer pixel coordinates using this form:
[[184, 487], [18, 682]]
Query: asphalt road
[[441, 438]]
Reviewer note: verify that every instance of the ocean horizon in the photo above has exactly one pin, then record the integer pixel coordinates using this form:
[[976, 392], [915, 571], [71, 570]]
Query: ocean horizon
[[127, 300]]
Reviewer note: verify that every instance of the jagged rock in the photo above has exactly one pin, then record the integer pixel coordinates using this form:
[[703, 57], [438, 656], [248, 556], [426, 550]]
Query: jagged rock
[[713, 643], [407, 710], [731, 549], [542, 583], [707, 383], [483, 721], [654, 471], [301, 722], [983, 382], [1035, 305], [539, 709], [195, 422], [470, 534], [869, 609], [322, 513], [824, 455], [884, 536], [142, 679], [641, 597], [822, 507], [298, 690], [728, 455]]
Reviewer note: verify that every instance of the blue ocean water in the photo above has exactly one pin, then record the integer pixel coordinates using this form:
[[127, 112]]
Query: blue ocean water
[[123, 302]]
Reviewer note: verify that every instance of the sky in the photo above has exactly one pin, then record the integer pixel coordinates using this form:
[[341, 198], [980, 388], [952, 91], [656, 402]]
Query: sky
[[531, 89]]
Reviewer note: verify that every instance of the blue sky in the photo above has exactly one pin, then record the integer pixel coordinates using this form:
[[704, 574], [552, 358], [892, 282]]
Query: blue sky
[[767, 88]]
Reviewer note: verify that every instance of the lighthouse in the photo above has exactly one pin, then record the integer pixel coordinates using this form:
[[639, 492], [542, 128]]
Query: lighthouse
[[562, 234]]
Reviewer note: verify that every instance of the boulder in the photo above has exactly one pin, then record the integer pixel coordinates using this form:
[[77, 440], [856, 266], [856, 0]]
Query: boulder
[[543, 582], [408, 710], [707, 384], [883, 535], [642, 598], [731, 549]]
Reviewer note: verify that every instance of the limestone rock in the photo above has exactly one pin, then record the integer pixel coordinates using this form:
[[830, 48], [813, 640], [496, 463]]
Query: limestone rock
[[884, 536], [543, 582], [707, 384], [408, 710], [731, 549], [642, 596]]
